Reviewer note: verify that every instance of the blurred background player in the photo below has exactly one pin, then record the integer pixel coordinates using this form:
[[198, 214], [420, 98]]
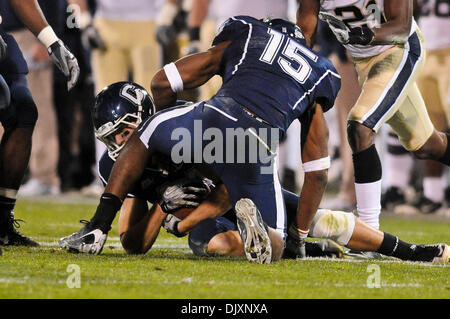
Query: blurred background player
[[433, 82], [19, 113]]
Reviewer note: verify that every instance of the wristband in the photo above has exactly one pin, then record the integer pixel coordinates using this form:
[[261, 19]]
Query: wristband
[[174, 77], [317, 165], [47, 36], [194, 34], [175, 230]]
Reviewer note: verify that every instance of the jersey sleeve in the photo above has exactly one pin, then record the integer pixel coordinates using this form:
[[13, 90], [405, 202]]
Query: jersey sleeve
[[328, 88], [231, 29]]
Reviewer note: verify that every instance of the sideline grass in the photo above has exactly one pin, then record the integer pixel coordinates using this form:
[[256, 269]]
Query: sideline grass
[[169, 270]]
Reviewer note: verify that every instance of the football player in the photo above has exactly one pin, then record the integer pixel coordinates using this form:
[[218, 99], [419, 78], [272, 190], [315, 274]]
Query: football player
[[18, 112], [388, 52], [170, 187], [270, 79], [434, 81]]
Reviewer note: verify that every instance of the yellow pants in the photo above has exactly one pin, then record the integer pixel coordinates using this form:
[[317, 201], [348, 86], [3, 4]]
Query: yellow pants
[[130, 47], [390, 93], [434, 84]]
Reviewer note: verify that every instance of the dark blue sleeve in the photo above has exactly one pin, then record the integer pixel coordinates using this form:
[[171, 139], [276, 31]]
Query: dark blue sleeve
[[232, 29], [105, 167], [328, 88]]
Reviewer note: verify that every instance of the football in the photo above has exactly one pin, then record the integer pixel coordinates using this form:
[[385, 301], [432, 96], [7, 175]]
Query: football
[[182, 213]]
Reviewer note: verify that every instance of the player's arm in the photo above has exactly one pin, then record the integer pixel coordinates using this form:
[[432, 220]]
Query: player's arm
[[31, 15], [189, 72], [216, 204], [315, 165], [197, 16], [399, 14], [307, 19], [138, 226]]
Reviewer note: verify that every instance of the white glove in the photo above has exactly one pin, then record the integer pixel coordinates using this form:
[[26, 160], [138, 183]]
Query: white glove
[[66, 62]]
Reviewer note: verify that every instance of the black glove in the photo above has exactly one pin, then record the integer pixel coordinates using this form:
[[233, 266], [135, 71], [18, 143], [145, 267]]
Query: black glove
[[92, 39], [66, 62], [166, 35], [3, 49], [170, 224], [295, 245], [183, 193], [362, 35]]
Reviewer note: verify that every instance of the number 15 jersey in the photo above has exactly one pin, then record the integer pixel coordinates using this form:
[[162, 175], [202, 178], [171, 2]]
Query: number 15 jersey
[[269, 70]]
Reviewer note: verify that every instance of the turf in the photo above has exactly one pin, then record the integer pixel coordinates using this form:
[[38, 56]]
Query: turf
[[169, 269]]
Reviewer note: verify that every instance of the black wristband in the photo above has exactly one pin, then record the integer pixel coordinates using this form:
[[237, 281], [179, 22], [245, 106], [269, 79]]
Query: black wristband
[[106, 211], [194, 33]]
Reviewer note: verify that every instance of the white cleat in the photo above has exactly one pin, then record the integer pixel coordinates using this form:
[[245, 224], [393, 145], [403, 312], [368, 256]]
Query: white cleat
[[253, 232]]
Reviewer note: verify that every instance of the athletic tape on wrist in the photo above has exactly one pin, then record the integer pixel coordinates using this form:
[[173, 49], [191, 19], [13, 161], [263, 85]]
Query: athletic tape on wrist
[[317, 165], [174, 77], [47, 36]]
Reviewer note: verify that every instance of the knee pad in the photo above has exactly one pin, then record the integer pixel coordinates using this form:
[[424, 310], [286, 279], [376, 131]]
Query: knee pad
[[334, 225], [5, 94]]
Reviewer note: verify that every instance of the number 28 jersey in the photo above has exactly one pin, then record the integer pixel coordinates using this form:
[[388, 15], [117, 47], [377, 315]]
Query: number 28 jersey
[[355, 13], [272, 73]]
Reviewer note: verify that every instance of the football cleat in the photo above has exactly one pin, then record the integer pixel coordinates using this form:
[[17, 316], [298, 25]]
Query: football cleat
[[419, 205], [363, 254], [438, 253], [253, 232], [88, 240], [10, 236], [391, 198]]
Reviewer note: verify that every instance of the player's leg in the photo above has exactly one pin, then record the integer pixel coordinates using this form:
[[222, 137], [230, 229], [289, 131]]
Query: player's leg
[[386, 79], [18, 120]]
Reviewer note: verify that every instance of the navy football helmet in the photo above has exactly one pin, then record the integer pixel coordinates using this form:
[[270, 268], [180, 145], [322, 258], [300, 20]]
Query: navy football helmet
[[286, 27], [120, 105]]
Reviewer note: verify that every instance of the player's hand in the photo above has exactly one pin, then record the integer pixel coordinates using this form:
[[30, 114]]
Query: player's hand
[[166, 35], [183, 193], [295, 245], [170, 224], [3, 49], [92, 39], [66, 62], [360, 35]]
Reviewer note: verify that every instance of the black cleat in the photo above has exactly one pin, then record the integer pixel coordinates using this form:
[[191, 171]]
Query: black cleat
[[321, 248], [438, 253], [392, 197], [89, 240], [10, 236], [419, 205]]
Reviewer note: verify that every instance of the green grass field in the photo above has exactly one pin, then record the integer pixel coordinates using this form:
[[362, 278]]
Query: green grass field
[[170, 270]]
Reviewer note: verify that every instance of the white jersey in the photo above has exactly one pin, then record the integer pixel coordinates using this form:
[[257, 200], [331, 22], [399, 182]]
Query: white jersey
[[356, 13], [221, 10], [128, 10], [434, 22]]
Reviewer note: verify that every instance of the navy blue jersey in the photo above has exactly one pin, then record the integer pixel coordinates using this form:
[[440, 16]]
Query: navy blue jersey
[[273, 73], [159, 170]]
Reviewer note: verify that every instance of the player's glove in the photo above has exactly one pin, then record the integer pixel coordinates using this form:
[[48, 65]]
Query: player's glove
[[65, 61], [360, 35], [170, 224], [295, 245], [3, 49], [91, 38], [183, 193]]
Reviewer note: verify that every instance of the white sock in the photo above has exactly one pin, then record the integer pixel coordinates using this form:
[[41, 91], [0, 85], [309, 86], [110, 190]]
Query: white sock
[[368, 196], [433, 188], [398, 170], [293, 158]]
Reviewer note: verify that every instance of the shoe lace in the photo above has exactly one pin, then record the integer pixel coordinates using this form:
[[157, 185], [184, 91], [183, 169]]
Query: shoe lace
[[16, 222], [84, 221]]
